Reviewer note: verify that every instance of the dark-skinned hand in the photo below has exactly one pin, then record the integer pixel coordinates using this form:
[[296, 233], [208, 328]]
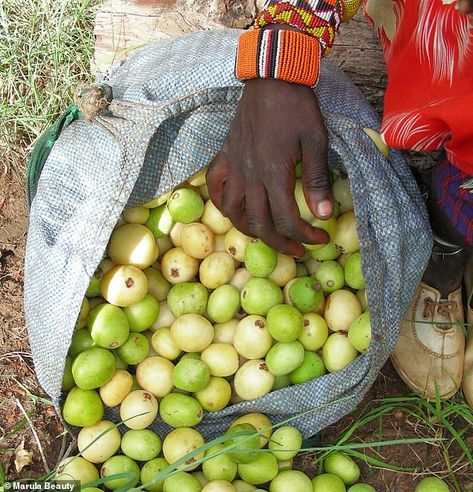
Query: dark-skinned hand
[[252, 178]]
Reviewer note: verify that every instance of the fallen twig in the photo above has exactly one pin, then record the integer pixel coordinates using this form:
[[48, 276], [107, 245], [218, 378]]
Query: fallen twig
[[35, 434]]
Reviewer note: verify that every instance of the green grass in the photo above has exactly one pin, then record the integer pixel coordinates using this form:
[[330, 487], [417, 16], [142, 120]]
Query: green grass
[[441, 425], [345, 444], [35, 398], [45, 51], [2, 475], [446, 425]]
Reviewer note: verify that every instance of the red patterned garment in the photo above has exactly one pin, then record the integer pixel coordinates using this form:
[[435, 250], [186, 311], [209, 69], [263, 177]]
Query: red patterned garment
[[429, 57], [428, 102]]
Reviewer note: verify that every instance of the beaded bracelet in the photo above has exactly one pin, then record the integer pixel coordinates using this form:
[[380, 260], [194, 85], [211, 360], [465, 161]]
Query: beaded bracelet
[[317, 18], [350, 8], [289, 55], [285, 55]]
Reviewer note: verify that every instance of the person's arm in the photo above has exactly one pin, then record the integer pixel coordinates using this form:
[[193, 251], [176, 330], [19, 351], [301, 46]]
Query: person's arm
[[278, 122], [466, 6]]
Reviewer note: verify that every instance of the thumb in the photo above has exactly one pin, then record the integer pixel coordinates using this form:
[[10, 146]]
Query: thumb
[[315, 179], [216, 177]]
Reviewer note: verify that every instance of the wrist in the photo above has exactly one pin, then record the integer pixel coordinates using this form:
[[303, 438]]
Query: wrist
[[273, 89]]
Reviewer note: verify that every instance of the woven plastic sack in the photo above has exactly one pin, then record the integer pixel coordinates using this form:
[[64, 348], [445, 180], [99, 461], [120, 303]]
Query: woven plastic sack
[[172, 106]]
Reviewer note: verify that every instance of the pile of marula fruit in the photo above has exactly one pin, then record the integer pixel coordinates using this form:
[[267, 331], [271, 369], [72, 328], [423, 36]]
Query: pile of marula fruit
[[186, 314]]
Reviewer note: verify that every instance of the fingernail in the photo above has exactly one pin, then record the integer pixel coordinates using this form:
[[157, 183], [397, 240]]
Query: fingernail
[[300, 254], [324, 208]]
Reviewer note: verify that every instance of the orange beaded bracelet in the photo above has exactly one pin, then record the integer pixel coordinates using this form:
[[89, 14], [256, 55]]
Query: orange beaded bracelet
[[278, 54]]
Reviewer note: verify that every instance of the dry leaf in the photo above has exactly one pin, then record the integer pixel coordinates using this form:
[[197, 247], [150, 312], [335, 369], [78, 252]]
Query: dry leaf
[[22, 457]]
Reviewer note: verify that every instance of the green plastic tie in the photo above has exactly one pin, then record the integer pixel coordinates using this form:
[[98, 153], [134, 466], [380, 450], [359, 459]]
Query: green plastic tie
[[43, 147]]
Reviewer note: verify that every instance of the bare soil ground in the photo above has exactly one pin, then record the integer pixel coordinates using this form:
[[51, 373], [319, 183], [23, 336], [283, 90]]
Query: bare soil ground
[[17, 376], [425, 459]]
